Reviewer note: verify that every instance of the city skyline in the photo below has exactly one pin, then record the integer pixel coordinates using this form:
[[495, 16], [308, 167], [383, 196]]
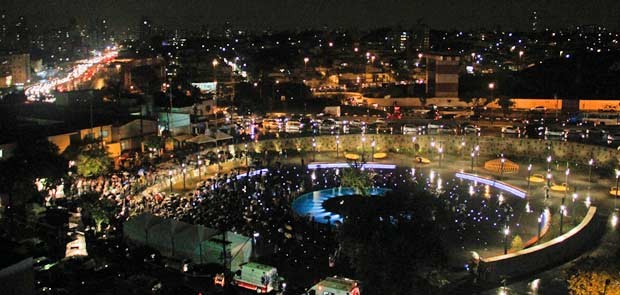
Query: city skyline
[[281, 15]]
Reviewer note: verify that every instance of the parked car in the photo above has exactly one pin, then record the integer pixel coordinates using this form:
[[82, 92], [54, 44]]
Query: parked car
[[292, 126], [468, 128], [554, 132], [412, 129], [328, 125], [511, 130]]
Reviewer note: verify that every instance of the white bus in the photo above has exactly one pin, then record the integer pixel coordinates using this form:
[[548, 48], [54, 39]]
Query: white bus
[[601, 118]]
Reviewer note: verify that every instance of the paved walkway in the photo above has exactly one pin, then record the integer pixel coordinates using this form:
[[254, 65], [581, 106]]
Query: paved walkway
[[596, 192]]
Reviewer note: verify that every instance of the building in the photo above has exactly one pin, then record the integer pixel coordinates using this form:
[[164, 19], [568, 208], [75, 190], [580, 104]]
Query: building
[[145, 29], [442, 75], [117, 138], [17, 66]]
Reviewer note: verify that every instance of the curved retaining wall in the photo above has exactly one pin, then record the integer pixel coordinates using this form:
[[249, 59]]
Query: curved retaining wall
[[536, 148], [540, 257]]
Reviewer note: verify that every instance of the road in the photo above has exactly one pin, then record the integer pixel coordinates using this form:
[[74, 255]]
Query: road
[[84, 69]]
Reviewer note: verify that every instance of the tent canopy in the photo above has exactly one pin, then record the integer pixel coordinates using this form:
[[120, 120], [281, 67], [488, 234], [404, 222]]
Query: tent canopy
[[222, 136], [201, 139], [182, 240]]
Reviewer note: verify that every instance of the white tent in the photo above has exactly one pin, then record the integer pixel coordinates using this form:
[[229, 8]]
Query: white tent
[[182, 240]]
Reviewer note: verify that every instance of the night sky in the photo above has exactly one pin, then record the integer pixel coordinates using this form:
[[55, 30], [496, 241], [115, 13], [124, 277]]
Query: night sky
[[286, 14]]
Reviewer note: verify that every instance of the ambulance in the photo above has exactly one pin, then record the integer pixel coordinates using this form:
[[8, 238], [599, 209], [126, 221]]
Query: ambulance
[[259, 277], [335, 286]]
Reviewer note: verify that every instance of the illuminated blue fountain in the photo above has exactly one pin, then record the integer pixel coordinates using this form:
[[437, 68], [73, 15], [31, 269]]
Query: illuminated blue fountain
[[311, 204]]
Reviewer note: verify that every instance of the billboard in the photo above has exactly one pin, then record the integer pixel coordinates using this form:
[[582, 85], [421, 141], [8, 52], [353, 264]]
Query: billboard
[[206, 87]]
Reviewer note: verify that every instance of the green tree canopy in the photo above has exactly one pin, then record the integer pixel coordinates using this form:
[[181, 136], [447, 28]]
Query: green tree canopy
[[91, 157]]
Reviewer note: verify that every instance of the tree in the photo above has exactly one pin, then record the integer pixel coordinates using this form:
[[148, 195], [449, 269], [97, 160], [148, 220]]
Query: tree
[[100, 211], [91, 157], [153, 141], [93, 163], [357, 179], [517, 243], [595, 275], [505, 103], [34, 158], [376, 239]]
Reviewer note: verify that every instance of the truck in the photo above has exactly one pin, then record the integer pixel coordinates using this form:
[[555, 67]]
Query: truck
[[335, 286], [332, 110], [258, 277]]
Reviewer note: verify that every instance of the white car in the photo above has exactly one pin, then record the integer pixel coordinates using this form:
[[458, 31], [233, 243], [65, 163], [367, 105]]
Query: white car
[[292, 126], [471, 129], [271, 124], [328, 125], [411, 129], [511, 130], [554, 132], [613, 136], [434, 125], [356, 123]]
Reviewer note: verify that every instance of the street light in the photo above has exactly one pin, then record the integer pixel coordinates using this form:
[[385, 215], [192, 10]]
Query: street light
[[477, 148], [199, 169], [473, 154], [548, 179], [363, 147], [492, 88], [215, 63], [566, 179], [540, 219], [574, 198], [184, 170], [548, 162], [337, 145], [529, 173], [562, 211], [306, 60], [170, 179], [432, 148], [246, 156], [440, 149], [372, 144], [616, 188], [314, 149], [501, 167], [506, 233], [413, 139], [590, 163]]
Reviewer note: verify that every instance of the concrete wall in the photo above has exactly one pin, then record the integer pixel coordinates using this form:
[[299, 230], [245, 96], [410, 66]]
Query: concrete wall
[[18, 279], [558, 250], [561, 151]]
